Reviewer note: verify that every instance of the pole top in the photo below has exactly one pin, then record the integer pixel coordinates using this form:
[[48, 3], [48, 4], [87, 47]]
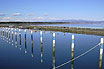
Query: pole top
[[19, 29], [31, 31], [53, 34], [102, 40], [73, 37], [11, 28], [15, 32], [41, 32], [25, 30]]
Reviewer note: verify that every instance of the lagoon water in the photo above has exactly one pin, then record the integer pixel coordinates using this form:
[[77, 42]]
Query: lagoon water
[[98, 26], [28, 57]]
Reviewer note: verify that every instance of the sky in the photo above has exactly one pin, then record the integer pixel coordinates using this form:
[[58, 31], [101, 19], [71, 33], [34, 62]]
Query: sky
[[49, 10]]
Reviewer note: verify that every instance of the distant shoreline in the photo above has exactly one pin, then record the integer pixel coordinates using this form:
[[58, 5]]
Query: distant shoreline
[[35, 25]]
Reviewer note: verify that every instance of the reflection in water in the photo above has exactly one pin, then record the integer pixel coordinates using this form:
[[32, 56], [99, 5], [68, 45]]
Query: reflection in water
[[72, 63], [101, 53], [3, 34], [9, 36], [41, 39], [15, 38], [53, 50], [8, 33], [20, 37], [32, 43], [25, 42], [12, 37]]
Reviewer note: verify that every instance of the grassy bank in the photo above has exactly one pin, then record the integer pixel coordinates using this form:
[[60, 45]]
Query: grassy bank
[[72, 30]]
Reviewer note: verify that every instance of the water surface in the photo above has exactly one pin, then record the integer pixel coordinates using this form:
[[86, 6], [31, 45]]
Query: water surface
[[26, 56]]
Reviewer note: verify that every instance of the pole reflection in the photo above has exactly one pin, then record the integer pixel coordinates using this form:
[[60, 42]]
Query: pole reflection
[[25, 42], [41, 39], [16, 39], [12, 37], [32, 43], [20, 38]]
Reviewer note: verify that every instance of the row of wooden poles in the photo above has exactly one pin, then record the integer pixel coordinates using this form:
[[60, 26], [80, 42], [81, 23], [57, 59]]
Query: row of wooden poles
[[5, 33]]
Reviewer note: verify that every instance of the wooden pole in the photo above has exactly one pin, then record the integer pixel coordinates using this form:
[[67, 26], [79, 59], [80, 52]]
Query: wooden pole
[[72, 42], [72, 52], [54, 50], [101, 53]]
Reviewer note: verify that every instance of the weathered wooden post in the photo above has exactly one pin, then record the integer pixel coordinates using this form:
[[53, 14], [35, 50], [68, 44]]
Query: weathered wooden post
[[41, 39], [20, 37], [53, 50], [101, 53], [72, 54], [25, 42]]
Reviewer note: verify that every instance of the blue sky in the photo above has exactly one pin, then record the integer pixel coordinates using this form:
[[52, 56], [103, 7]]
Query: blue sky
[[44, 10]]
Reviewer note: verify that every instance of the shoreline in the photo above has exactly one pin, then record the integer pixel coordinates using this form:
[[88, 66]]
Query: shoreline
[[78, 30]]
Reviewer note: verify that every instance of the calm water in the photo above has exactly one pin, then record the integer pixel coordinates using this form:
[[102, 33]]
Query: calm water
[[40, 56], [99, 26]]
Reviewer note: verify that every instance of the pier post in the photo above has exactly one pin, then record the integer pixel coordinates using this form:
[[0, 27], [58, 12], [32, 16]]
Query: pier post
[[72, 52], [25, 42], [101, 53], [72, 43], [41, 39], [54, 50]]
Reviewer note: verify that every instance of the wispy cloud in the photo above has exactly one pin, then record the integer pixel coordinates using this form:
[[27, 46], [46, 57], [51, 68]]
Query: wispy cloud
[[2, 14], [6, 18], [45, 14], [16, 14], [31, 14], [27, 19]]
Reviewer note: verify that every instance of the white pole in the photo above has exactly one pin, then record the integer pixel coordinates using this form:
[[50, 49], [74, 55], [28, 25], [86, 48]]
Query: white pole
[[72, 42]]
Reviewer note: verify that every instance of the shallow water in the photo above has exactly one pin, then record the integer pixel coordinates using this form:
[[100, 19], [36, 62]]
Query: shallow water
[[98, 26], [26, 56]]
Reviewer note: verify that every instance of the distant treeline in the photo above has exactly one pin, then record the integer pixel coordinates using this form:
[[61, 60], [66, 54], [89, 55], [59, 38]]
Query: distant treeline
[[35, 22]]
